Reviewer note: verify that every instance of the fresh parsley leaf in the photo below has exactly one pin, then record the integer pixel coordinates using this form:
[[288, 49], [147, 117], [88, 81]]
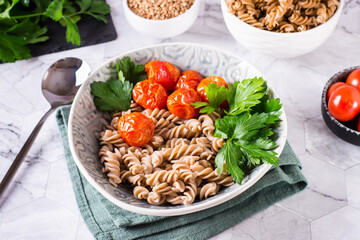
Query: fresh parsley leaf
[[13, 48], [112, 95], [55, 9], [230, 155], [133, 73], [232, 92], [216, 96], [225, 126], [255, 154], [72, 31], [248, 94]]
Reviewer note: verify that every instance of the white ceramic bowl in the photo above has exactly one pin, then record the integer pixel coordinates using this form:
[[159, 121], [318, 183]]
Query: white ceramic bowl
[[162, 28], [279, 45], [85, 122]]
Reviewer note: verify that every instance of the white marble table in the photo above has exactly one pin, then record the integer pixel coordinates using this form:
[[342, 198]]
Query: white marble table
[[41, 204]]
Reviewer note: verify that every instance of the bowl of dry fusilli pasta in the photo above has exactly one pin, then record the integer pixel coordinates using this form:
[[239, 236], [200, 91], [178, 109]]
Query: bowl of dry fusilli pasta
[[281, 28], [175, 172]]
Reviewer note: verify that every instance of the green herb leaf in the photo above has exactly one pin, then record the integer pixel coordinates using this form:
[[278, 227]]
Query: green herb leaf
[[72, 31], [230, 156], [224, 127], [216, 96], [13, 48], [133, 73], [113, 95], [248, 94], [55, 9]]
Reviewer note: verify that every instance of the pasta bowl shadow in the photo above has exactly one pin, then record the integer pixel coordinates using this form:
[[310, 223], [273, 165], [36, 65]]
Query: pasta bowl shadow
[[279, 45], [86, 122]]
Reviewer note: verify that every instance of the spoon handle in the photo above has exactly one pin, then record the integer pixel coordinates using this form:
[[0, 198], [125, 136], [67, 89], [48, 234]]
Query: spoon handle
[[22, 154]]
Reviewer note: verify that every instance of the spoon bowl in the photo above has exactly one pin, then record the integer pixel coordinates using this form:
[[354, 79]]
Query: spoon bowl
[[59, 86], [63, 79]]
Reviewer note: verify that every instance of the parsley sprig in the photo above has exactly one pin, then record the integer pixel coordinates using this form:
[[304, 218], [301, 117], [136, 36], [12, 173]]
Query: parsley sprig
[[21, 21], [247, 127], [115, 94]]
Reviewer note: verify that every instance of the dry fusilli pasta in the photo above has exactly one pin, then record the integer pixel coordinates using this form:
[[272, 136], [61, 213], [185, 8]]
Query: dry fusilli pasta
[[284, 16]]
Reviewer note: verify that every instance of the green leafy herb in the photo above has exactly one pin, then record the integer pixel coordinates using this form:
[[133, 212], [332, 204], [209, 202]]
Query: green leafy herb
[[20, 22], [229, 156], [116, 93], [112, 95], [247, 127], [248, 94], [216, 95], [133, 73], [247, 139]]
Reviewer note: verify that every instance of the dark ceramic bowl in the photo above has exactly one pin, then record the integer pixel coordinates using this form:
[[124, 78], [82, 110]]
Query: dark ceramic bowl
[[344, 130]]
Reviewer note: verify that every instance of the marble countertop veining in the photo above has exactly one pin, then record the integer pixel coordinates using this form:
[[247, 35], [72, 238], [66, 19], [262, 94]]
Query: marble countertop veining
[[40, 204]]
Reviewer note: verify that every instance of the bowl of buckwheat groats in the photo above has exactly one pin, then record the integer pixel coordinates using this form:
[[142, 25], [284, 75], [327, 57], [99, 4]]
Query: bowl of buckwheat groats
[[161, 19], [175, 128], [281, 28]]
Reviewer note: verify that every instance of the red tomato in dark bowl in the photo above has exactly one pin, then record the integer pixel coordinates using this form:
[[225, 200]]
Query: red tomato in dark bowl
[[179, 103], [344, 103], [354, 78], [333, 88]]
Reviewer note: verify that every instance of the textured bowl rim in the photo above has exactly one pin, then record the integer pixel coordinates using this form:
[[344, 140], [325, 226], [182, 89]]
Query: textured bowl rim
[[188, 208], [295, 34], [324, 101], [127, 9]]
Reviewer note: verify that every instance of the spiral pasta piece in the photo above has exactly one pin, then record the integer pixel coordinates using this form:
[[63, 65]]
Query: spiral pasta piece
[[141, 192], [182, 150], [162, 176], [155, 198], [132, 162], [112, 166], [209, 189]]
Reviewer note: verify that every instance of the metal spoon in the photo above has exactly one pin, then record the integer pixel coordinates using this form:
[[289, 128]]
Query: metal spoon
[[59, 86]]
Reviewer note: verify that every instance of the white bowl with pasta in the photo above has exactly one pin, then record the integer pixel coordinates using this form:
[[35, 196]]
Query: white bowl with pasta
[[86, 122], [279, 44]]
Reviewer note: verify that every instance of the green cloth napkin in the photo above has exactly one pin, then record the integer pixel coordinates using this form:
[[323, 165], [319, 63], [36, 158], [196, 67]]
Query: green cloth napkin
[[107, 221]]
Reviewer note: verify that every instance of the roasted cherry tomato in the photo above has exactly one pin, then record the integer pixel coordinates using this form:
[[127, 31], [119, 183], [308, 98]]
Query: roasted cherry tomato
[[150, 94], [333, 88], [344, 103], [179, 103], [136, 129], [215, 79], [163, 72], [354, 78], [189, 79]]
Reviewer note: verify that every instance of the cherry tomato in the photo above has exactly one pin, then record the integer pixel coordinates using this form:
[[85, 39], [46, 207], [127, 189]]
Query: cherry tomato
[[344, 103], [163, 72], [189, 79], [136, 129], [179, 103], [354, 78], [358, 126], [333, 88], [150, 94], [215, 79]]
